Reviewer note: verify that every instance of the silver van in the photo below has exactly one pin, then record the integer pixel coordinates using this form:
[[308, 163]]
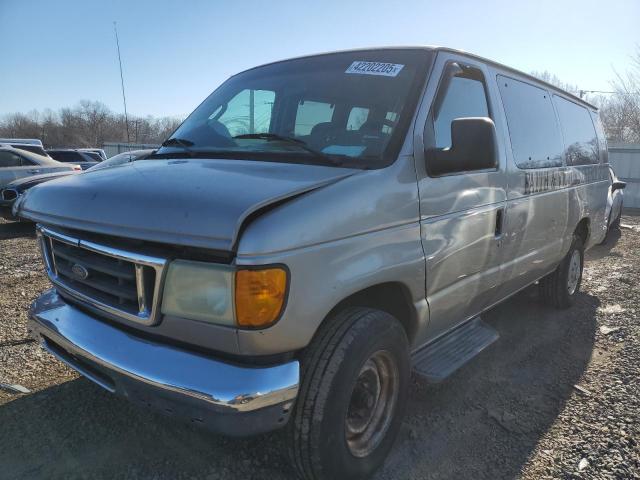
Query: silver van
[[314, 231]]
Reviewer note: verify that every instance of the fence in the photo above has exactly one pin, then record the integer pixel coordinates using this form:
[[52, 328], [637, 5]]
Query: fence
[[112, 149], [625, 160]]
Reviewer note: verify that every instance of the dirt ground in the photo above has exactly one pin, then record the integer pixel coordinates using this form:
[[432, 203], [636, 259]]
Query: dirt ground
[[558, 396]]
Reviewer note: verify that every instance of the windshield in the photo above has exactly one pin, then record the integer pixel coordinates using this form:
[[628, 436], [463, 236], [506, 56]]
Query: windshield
[[348, 109]]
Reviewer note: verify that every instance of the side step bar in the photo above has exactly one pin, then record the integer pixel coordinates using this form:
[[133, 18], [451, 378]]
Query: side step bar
[[439, 359]]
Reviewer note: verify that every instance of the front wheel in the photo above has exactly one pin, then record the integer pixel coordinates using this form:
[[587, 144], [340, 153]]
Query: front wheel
[[353, 393], [561, 286]]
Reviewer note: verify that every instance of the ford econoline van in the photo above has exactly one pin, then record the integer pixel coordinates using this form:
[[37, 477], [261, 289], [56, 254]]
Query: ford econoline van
[[317, 229]]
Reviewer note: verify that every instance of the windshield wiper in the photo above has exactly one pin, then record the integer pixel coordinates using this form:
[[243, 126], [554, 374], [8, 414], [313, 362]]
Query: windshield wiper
[[291, 141], [180, 142]]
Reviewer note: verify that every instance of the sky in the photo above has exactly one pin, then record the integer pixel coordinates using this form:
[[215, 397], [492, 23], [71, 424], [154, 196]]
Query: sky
[[57, 52]]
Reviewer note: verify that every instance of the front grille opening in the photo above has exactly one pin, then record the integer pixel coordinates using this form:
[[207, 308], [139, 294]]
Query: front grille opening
[[9, 194], [79, 364], [114, 282]]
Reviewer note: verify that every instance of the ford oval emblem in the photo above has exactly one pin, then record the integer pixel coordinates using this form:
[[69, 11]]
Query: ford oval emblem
[[79, 271]]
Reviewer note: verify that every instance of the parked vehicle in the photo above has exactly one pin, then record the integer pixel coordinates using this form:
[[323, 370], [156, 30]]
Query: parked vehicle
[[615, 198], [122, 158], [98, 151], [69, 155], [28, 147], [16, 163], [13, 190], [313, 231], [24, 141]]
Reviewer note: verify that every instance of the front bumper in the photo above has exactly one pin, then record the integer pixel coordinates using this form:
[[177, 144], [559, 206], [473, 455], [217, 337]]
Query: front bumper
[[224, 397]]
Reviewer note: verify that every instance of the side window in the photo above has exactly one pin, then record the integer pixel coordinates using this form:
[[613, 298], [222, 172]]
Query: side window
[[579, 134], [533, 127], [391, 117], [67, 157], [311, 113], [248, 112], [357, 117], [461, 94], [9, 159]]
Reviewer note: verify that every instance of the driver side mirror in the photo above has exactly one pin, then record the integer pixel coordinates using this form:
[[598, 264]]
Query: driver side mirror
[[473, 147], [618, 185]]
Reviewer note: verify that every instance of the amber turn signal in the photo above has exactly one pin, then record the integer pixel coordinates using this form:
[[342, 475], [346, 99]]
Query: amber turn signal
[[260, 296]]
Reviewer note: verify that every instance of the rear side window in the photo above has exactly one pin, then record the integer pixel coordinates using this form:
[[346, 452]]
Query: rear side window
[[579, 135], [357, 117], [309, 114], [9, 159], [68, 157], [32, 149], [94, 156], [247, 113], [533, 127]]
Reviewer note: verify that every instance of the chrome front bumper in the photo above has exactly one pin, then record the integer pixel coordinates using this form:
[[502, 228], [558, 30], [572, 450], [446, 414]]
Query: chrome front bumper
[[225, 397]]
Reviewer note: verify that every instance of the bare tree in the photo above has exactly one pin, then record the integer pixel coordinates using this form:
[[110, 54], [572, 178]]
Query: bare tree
[[88, 124], [548, 77], [620, 110]]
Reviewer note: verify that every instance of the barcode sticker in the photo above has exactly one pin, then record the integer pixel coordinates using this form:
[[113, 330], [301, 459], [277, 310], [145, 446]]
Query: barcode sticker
[[375, 68]]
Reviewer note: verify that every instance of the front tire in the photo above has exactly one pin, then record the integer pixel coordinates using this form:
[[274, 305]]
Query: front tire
[[355, 379], [560, 288]]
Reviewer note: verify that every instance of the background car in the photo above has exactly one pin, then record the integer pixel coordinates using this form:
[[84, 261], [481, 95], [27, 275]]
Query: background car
[[17, 163], [613, 211], [71, 155], [121, 158], [26, 146], [100, 152], [13, 190]]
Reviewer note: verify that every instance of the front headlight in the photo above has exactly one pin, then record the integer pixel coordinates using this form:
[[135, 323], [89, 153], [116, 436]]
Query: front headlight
[[224, 295], [199, 291]]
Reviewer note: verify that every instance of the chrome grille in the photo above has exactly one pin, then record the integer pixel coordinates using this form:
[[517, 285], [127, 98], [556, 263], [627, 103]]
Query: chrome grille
[[119, 282]]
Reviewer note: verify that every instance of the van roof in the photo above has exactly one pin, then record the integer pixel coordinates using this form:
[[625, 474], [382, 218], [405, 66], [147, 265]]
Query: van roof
[[435, 48]]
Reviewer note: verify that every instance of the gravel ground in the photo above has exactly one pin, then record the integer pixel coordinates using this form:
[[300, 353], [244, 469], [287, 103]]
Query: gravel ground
[[558, 396]]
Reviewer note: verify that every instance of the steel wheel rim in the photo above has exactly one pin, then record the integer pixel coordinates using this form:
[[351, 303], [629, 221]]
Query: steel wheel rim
[[372, 404], [574, 272]]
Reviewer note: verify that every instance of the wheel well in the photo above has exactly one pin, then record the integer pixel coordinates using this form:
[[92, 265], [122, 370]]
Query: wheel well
[[582, 230], [392, 297]]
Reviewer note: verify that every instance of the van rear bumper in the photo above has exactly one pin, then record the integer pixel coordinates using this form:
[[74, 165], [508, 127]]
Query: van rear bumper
[[224, 397]]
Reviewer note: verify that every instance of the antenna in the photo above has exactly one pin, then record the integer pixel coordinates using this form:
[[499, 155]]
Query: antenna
[[124, 99]]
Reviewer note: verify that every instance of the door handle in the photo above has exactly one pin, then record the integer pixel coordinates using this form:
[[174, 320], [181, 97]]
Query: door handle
[[34, 170], [499, 222]]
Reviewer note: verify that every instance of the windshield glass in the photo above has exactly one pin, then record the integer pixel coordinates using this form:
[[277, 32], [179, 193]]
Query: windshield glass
[[350, 109]]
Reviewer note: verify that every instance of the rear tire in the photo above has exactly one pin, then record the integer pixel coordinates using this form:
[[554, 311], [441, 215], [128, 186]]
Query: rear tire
[[560, 288], [355, 379]]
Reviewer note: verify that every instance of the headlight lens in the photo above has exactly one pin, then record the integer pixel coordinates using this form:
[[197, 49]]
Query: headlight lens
[[199, 291], [224, 295]]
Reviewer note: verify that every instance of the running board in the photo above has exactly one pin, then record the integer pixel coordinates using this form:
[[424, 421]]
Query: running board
[[438, 360]]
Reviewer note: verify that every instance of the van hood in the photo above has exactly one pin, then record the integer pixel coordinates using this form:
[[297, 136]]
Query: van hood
[[191, 202]]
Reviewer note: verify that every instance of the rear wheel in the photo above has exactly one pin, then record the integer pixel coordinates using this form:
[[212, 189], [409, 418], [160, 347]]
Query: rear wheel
[[355, 377], [560, 287]]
